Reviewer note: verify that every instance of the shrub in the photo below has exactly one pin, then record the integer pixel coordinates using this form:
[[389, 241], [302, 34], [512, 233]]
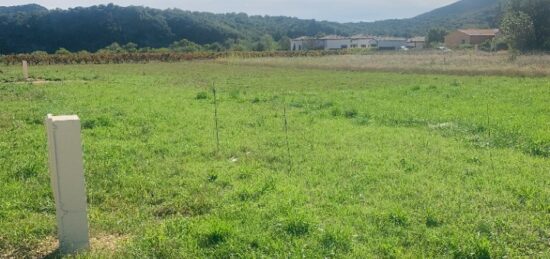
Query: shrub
[[352, 113], [201, 96]]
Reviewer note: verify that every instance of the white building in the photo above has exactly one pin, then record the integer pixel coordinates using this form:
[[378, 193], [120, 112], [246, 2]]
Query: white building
[[362, 41], [307, 43], [416, 43], [391, 43], [335, 42]]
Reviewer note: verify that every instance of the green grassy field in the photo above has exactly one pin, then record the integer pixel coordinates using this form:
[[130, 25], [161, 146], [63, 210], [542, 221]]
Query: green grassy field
[[380, 164]]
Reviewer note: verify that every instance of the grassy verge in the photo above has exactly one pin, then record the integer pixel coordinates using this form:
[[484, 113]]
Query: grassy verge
[[383, 164], [416, 62]]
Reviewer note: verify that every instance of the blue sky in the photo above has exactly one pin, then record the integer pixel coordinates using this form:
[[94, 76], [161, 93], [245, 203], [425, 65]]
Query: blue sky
[[341, 10]]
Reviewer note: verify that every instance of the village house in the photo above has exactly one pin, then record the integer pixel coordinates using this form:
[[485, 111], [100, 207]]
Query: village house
[[360, 41], [390, 43], [334, 42], [469, 37], [416, 43]]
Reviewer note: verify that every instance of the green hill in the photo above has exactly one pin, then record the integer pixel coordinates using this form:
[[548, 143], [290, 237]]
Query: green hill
[[30, 8], [32, 27], [461, 14]]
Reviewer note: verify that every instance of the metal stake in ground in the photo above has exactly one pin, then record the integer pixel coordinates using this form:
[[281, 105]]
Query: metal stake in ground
[[287, 141], [67, 181], [216, 118], [25, 70]]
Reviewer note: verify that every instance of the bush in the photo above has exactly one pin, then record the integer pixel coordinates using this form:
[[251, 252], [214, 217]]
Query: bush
[[351, 113], [62, 51], [466, 46], [201, 96]]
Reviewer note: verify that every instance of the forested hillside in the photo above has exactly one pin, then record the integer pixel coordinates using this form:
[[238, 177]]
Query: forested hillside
[[32, 27], [462, 14]]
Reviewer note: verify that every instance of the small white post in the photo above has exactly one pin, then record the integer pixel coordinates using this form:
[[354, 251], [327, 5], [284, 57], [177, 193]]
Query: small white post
[[67, 180], [25, 70]]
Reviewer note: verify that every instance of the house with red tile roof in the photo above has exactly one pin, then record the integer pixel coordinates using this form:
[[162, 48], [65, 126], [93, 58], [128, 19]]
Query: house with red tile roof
[[469, 37]]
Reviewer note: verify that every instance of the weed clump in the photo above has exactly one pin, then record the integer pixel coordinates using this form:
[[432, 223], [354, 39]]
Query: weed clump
[[94, 123], [336, 112], [432, 222], [214, 235], [27, 171], [398, 219], [335, 242], [297, 227], [351, 113], [201, 96]]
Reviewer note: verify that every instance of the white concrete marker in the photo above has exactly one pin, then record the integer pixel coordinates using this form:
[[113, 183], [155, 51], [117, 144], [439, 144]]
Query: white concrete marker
[[67, 180], [25, 70]]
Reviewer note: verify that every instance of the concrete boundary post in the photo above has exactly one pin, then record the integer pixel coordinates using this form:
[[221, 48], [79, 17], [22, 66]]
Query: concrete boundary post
[[25, 70], [67, 181]]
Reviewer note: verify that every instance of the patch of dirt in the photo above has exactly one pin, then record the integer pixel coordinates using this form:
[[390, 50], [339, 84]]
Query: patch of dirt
[[445, 125], [34, 82], [48, 247], [40, 82], [107, 242]]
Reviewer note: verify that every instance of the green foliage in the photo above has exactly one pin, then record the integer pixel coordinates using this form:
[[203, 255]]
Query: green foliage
[[62, 51], [29, 28], [202, 95], [284, 43], [113, 48], [466, 46], [433, 173], [496, 44], [519, 30], [185, 46], [526, 24], [130, 47], [39, 53], [266, 43], [215, 47], [436, 36]]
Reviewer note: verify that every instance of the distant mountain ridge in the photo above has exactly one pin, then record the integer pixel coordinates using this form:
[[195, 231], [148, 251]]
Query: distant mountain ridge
[[460, 8], [30, 8], [461, 14], [32, 27]]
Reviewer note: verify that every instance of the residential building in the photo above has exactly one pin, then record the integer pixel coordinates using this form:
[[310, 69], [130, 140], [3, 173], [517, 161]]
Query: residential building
[[469, 37], [416, 43], [335, 42], [391, 43]]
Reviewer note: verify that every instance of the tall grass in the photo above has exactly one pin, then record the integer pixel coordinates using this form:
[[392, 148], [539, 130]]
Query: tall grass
[[429, 62], [385, 165]]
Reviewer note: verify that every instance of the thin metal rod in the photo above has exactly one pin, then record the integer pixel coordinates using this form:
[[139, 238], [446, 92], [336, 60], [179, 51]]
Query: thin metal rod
[[216, 118], [287, 141]]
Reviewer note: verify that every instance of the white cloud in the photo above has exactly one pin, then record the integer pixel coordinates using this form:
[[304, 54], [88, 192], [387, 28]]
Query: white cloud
[[342, 10]]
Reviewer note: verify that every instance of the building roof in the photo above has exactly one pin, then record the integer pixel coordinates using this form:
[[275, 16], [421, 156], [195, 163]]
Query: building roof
[[361, 36], [417, 39], [480, 32], [391, 39], [303, 38], [333, 37]]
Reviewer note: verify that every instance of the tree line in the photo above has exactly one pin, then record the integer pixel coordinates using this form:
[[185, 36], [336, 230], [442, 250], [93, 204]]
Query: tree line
[[526, 24], [24, 29], [115, 29], [100, 57]]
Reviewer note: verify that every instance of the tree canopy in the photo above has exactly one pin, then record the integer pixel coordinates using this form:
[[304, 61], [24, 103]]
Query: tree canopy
[[526, 24], [24, 29]]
